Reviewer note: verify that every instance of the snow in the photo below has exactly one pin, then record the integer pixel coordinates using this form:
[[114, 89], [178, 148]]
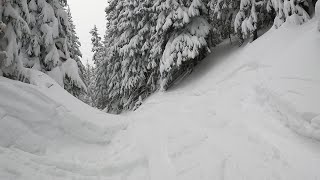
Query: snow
[[41, 126], [70, 69], [245, 113]]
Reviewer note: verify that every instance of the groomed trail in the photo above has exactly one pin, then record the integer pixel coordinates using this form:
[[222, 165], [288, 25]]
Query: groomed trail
[[244, 113]]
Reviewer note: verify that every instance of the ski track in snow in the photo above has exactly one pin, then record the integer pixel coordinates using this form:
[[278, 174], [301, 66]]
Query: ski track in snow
[[243, 113]]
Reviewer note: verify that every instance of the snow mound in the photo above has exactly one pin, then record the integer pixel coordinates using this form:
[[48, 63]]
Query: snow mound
[[39, 123], [68, 68]]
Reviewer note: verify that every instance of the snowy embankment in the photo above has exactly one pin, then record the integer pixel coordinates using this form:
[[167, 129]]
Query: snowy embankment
[[245, 113], [42, 128]]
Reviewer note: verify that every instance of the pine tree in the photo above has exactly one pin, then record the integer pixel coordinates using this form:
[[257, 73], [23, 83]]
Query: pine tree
[[108, 75], [184, 28], [291, 11], [36, 37], [75, 54], [224, 12], [223, 16], [134, 49], [131, 71], [89, 77], [246, 20], [74, 43], [97, 48], [98, 57], [14, 17], [48, 50]]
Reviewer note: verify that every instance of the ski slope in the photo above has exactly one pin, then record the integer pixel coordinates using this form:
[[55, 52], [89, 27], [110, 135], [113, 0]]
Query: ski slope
[[244, 113]]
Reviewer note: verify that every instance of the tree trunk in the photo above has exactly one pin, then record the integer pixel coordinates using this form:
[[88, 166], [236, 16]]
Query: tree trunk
[[230, 35], [311, 8], [255, 35]]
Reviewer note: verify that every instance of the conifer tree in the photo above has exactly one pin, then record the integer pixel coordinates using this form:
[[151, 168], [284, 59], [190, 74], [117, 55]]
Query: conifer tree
[[246, 19], [98, 59], [74, 44], [36, 37], [97, 48], [89, 78], [131, 71], [291, 10], [14, 17], [183, 26]]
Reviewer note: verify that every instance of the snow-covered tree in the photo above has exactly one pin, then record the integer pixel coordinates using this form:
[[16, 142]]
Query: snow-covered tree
[[74, 44], [183, 28], [253, 13], [48, 49], [247, 19], [14, 17], [99, 72], [127, 71], [224, 12], [292, 11], [36, 37], [148, 40], [97, 46], [89, 78], [136, 66]]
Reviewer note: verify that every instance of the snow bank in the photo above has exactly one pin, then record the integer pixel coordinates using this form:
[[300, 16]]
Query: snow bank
[[42, 122], [68, 68]]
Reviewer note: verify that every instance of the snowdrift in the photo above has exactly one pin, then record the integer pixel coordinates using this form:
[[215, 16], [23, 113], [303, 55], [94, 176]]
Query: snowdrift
[[36, 121], [245, 113]]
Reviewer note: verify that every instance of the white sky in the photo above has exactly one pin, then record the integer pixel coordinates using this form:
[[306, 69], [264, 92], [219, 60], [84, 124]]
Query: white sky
[[86, 14]]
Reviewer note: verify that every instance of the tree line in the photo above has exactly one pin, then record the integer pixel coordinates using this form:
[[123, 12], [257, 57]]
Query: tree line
[[150, 44]]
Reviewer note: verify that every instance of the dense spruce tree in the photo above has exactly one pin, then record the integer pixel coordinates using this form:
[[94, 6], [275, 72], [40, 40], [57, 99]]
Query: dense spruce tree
[[36, 37], [247, 19], [14, 17], [97, 72], [130, 71], [97, 46], [184, 28], [108, 77], [223, 15], [292, 11]]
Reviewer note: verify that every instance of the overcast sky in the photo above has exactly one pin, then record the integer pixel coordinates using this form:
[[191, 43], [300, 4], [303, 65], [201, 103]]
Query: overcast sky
[[86, 14]]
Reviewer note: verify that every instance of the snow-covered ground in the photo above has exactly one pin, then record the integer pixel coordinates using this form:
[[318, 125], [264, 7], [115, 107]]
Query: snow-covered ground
[[245, 113]]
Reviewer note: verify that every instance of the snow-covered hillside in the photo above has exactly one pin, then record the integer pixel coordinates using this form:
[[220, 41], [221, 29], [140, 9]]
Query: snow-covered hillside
[[245, 113]]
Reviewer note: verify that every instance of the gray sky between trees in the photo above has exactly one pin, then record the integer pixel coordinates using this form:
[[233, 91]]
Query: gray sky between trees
[[85, 15]]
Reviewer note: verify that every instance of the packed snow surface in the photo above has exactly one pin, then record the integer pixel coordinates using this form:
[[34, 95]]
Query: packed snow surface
[[248, 113]]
